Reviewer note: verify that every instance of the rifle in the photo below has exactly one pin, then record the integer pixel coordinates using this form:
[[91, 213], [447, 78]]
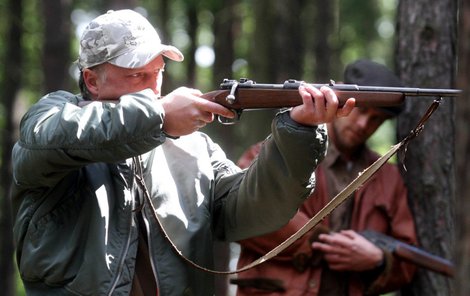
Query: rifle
[[249, 95], [410, 253]]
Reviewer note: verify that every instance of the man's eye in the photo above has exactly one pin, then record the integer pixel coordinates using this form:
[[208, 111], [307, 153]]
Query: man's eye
[[136, 75], [158, 71]]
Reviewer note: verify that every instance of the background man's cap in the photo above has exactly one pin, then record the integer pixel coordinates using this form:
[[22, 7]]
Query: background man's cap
[[367, 73], [123, 38]]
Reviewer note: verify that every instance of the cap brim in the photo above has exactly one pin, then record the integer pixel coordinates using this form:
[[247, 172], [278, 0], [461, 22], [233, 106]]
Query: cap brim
[[142, 55]]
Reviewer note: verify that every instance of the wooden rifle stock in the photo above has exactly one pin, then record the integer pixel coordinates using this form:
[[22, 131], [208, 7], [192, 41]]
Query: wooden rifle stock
[[410, 253], [249, 95]]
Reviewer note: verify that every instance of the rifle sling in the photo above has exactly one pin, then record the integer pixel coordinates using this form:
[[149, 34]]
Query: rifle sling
[[322, 214]]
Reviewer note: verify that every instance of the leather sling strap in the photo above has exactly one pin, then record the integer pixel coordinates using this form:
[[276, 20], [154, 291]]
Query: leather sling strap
[[319, 216]]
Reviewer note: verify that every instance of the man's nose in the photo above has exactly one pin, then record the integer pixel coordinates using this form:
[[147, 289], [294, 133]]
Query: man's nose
[[154, 84]]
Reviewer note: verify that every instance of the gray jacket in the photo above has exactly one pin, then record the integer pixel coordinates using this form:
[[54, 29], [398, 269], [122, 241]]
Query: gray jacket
[[75, 194]]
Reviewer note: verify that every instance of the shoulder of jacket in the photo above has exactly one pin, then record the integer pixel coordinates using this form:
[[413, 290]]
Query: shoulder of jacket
[[62, 95]]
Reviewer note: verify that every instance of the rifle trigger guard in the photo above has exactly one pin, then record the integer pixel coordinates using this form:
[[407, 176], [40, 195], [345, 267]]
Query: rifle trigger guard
[[228, 121], [231, 96]]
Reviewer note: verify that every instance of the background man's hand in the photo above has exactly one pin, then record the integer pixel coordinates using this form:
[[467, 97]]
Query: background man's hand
[[348, 251], [186, 112], [319, 106]]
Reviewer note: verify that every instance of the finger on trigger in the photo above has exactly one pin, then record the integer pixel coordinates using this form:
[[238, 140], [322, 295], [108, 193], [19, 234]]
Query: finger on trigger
[[207, 116], [215, 108]]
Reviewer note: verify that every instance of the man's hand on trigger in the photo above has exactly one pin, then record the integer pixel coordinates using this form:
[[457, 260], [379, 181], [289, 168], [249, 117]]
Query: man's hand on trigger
[[319, 106], [186, 111]]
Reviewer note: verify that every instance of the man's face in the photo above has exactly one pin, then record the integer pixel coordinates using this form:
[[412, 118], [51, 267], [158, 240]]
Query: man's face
[[350, 132], [113, 82]]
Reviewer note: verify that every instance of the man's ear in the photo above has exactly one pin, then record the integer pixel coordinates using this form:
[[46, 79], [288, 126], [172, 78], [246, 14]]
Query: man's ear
[[90, 78]]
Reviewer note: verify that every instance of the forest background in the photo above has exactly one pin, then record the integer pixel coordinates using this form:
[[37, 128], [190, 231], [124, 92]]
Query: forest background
[[424, 41]]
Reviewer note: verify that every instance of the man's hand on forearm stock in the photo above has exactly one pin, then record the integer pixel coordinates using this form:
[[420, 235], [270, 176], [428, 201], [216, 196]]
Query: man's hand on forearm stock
[[319, 106]]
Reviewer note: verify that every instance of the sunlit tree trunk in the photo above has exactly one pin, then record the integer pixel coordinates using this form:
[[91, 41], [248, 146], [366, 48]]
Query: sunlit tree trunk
[[426, 57], [8, 93], [462, 152]]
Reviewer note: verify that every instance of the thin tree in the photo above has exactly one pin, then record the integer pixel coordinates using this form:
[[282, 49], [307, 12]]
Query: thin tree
[[322, 28], [56, 48], [224, 27], [120, 4], [12, 62], [462, 151], [192, 29], [426, 57], [225, 30], [276, 54]]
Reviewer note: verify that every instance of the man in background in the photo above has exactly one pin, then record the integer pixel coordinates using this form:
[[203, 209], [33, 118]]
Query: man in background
[[335, 258]]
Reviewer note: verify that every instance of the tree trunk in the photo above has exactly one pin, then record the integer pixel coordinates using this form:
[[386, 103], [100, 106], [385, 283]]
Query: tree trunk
[[276, 54], [263, 62], [160, 12], [289, 49], [323, 28], [192, 29], [119, 4], [160, 16], [277, 51], [225, 24], [426, 57], [224, 28], [462, 152], [56, 50], [262, 65], [11, 84]]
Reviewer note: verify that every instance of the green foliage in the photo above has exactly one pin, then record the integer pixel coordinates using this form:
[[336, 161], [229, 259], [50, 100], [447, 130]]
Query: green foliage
[[384, 138]]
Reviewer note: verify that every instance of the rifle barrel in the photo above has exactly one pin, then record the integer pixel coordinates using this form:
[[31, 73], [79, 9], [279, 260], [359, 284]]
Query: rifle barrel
[[424, 259], [294, 84], [407, 91]]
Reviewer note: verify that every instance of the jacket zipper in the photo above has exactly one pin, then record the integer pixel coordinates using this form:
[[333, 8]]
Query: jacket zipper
[[124, 253], [149, 243]]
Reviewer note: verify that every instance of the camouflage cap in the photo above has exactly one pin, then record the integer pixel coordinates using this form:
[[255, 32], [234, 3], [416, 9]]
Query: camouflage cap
[[123, 38]]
